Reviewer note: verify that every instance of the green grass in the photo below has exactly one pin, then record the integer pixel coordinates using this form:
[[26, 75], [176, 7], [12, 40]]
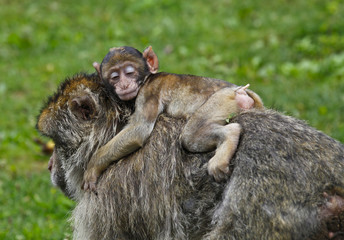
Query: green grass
[[291, 52]]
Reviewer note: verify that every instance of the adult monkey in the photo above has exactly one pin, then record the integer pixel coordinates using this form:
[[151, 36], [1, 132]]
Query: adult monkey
[[287, 179]]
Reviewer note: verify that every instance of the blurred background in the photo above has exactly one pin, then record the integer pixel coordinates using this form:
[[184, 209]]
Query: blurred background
[[290, 51]]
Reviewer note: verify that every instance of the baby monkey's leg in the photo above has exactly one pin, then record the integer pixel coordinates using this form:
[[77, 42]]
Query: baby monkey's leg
[[206, 130]]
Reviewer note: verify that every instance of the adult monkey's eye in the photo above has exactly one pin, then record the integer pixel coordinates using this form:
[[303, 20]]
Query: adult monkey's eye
[[114, 75], [129, 69]]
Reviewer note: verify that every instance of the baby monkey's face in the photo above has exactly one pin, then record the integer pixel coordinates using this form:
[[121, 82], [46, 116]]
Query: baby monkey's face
[[124, 79]]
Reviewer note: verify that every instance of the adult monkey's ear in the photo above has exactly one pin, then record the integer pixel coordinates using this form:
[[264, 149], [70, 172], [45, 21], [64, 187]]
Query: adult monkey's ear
[[83, 107], [151, 59]]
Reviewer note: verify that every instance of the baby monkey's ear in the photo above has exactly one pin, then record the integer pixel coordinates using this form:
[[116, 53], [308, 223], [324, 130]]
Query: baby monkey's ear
[[151, 59], [97, 67]]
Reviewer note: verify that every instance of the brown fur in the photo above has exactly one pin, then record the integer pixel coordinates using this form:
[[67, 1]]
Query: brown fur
[[197, 99]]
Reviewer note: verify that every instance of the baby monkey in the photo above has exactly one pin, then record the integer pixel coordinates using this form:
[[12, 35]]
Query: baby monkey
[[206, 103]]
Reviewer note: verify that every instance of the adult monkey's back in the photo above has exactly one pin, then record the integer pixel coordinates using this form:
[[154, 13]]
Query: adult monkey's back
[[287, 180]]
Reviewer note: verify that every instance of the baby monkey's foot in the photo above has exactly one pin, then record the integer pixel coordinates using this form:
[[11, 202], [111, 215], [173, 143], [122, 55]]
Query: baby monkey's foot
[[218, 166], [219, 169]]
